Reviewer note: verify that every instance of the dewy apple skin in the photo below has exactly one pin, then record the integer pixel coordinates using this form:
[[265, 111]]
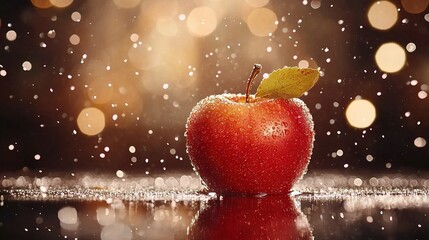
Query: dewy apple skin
[[247, 145]]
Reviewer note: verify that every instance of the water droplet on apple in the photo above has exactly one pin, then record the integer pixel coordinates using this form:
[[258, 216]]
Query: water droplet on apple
[[285, 127], [261, 195]]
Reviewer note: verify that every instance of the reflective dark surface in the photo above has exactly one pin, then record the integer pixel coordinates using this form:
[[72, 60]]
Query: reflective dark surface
[[324, 206], [269, 217]]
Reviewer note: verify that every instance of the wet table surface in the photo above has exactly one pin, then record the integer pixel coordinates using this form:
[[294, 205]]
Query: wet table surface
[[172, 206]]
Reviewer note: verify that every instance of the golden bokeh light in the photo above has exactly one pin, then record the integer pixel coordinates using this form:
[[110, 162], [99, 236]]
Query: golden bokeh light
[[360, 113], [159, 10], [145, 57], [68, 215], [390, 57], [74, 39], [262, 22], [61, 3], [415, 6], [76, 16], [420, 142], [201, 21], [303, 64], [382, 15], [11, 35], [91, 121], [176, 66], [43, 4], [100, 92], [257, 3], [316, 4], [126, 3], [307, 63], [167, 28]]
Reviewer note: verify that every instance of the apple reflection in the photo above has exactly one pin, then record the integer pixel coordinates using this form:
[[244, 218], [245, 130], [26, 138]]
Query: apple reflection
[[270, 217]]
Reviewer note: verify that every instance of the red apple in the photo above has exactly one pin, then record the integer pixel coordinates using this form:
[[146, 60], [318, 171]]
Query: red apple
[[242, 144], [271, 217]]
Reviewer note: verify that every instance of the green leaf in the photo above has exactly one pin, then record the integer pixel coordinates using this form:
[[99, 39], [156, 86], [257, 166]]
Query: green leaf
[[288, 82]]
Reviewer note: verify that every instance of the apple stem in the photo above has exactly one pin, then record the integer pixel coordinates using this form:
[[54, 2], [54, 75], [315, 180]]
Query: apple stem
[[255, 71]]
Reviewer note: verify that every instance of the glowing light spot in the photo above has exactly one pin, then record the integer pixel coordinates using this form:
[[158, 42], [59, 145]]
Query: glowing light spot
[[11, 35], [411, 47], [422, 94], [74, 39], [303, 64], [52, 33], [382, 15], [126, 3], [262, 22], [76, 16], [43, 4], [201, 21], [390, 57], [419, 142], [360, 113], [257, 3], [116, 231], [68, 215], [315, 4], [318, 106], [415, 6], [61, 3], [357, 182], [167, 28], [11, 147], [184, 181], [37, 157], [134, 37], [159, 182], [91, 121], [132, 149], [120, 174], [26, 66]]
